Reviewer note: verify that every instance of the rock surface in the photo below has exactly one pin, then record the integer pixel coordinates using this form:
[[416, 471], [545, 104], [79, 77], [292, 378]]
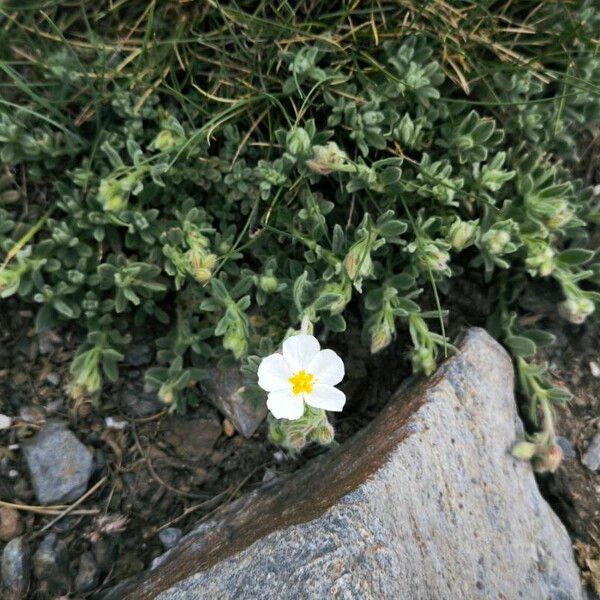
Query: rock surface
[[51, 566], [88, 574], [15, 568], [140, 401], [192, 439], [225, 389], [591, 457], [425, 502], [10, 524], [59, 464], [169, 537]]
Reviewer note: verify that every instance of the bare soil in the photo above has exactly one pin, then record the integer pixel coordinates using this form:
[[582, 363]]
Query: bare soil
[[152, 472], [156, 471], [574, 490]]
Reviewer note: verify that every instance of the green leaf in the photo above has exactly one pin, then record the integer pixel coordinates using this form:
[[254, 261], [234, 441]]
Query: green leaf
[[219, 290], [392, 229], [336, 323], [407, 305], [109, 366], [391, 175], [575, 256], [402, 281], [338, 239], [521, 346], [540, 337], [63, 308], [44, 319], [325, 301], [559, 395], [298, 290]]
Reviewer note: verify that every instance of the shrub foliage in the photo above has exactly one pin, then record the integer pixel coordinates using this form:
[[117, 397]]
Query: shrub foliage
[[229, 171]]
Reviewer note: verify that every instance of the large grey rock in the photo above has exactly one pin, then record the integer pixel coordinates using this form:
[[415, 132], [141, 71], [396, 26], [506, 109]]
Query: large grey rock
[[424, 503], [59, 464]]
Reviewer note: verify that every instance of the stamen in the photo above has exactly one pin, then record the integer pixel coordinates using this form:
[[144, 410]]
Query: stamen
[[302, 383]]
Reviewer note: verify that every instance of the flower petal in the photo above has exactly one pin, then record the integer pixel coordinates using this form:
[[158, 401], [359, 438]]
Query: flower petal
[[299, 350], [285, 405], [326, 397], [327, 367], [273, 373]]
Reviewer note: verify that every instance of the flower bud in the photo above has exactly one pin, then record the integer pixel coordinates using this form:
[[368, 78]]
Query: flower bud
[[224, 247], [323, 435], [559, 219], [268, 283], [164, 140], [201, 265], [524, 450], [431, 256], [549, 461], [496, 241], [77, 392], [295, 441], [165, 393], [358, 261], [383, 332], [379, 340], [298, 141], [423, 361], [462, 233], [327, 159], [111, 195], [235, 343], [576, 310], [541, 260]]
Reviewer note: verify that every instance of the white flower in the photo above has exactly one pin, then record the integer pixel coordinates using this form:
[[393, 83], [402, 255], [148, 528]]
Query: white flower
[[303, 373]]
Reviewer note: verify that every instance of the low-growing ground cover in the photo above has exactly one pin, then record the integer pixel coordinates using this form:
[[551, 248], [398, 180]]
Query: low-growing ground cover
[[212, 177]]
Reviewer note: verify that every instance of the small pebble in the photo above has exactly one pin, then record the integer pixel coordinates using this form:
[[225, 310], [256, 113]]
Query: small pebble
[[10, 524], [566, 447], [170, 537], [268, 475], [88, 574], [15, 567], [591, 457], [104, 552], [51, 565], [59, 464], [5, 421], [115, 423], [47, 341], [53, 379], [595, 369], [138, 355], [55, 406], [228, 428], [32, 414]]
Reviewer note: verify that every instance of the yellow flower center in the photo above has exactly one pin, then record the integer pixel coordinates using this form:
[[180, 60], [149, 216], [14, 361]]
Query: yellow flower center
[[302, 383]]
